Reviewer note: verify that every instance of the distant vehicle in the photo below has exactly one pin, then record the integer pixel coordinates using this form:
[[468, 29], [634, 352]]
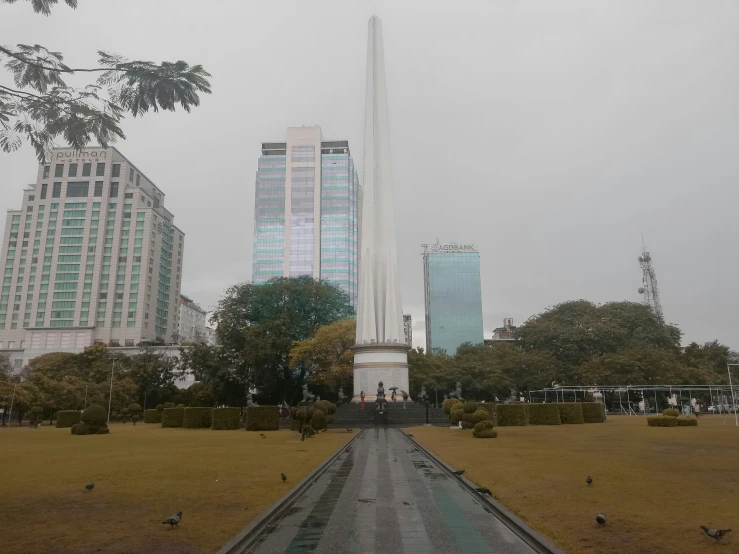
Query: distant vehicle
[[711, 409]]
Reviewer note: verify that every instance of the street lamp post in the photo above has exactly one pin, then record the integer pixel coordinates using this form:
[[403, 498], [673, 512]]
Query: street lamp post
[[110, 396]]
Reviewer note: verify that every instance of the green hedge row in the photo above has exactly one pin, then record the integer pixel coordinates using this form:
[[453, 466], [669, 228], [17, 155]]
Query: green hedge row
[[593, 412], [670, 412], [263, 418], [226, 418], [511, 415], [662, 421], [152, 416], [687, 422], [544, 414], [570, 413], [67, 418], [197, 418], [172, 417]]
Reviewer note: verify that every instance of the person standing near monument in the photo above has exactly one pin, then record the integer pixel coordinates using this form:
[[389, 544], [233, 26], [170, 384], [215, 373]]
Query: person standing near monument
[[361, 395], [394, 397], [405, 398]]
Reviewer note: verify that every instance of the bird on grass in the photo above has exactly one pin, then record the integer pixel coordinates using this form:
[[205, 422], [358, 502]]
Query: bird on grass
[[715, 533], [483, 491], [90, 486], [173, 520], [348, 430], [262, 435], [601, 519], [284, 477], [410, 435], [589, 480], [458, 473]]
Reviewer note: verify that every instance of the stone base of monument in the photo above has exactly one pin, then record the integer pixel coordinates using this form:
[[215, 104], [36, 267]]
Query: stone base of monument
[[379, 362], [381, 418]]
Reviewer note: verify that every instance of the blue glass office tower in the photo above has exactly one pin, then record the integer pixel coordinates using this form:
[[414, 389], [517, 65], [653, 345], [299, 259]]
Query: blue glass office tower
[[307, 211], [451, 276]]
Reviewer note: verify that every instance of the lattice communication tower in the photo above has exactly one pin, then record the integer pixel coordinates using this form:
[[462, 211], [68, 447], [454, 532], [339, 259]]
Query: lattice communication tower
[[649, 283]]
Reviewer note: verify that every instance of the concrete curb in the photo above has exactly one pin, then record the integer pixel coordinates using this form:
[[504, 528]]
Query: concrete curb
[[250, 534], [538, 542]]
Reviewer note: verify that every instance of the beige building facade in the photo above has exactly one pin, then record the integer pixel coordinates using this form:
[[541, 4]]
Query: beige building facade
[[92, 256]]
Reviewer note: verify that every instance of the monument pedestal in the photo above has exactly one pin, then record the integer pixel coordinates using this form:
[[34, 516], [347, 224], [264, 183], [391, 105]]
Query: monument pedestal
[[386, 362]]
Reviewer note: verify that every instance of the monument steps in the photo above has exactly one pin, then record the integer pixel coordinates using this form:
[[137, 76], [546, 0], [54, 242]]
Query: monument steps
[[351, 415]]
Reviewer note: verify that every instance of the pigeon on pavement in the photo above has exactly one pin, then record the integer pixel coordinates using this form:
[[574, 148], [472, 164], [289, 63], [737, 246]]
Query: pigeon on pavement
[[90, 486], [601, 519], [483, 491], [348, 430], [173, 520], [284, 477], [715, 533], [458, 472], [589, 480]]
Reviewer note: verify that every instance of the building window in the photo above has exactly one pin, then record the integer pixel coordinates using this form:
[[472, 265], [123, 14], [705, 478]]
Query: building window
[[113, 190], [100, 170], [46, 172], [303, 154], [138, 179], [86, 168], [72, 170], [44, 188], [98, 188], [77, 189], [58, 170], [116, 170], [130, 174], [56, 192], [129, 195]]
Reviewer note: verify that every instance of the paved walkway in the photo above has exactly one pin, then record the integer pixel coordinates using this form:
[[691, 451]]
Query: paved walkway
[[384, 496]]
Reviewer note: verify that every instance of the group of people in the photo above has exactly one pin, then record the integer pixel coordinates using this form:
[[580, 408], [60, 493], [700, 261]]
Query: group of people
[[393, 398]]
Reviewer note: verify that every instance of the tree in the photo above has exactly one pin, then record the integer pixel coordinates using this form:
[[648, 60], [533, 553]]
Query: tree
[[198, 395], [42, 106], [154, 374], [258, 324], [328, 355], [220, 368], [6, 367]]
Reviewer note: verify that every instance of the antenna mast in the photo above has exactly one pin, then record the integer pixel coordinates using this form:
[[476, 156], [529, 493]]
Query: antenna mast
[[649, 282]]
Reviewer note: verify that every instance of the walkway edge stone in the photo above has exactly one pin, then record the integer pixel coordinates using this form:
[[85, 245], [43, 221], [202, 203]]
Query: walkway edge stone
[[532, 538], [249, 535]]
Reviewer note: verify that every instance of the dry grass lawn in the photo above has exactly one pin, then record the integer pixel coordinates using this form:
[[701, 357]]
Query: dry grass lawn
[[220, 480], [656, 485]]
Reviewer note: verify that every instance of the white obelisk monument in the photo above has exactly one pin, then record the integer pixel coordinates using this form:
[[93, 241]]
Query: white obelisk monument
[[380, 353]]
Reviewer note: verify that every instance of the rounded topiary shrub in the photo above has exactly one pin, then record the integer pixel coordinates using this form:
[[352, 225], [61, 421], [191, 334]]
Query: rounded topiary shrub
[[457, 415], [687, 422], [543, 414], [263, 418], [180, 406], [326, 407], [593, 412], [662, 421], [449, 404], [168, 405], [482, 430], [570, 413], [153, 416], [481, 415], [102, 431], [94, 415], [468, 421], [469, 407], [670, 412], [67, 418], [74, 428], [226, 418], [159, 407], [318, 421], [172, 417], [511, 415]]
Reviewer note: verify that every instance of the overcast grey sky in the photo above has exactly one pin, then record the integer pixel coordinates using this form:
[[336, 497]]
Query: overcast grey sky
[[549, 134]]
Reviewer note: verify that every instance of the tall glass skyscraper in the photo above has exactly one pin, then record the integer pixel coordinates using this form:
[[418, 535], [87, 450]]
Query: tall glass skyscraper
[[451, 278], [306, 213]]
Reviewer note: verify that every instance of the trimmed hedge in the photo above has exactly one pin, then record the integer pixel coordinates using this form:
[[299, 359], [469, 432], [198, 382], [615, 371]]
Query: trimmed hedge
[[318, 421], [469, 407], [197, 418], [67, 418], [172, 417], [167, 405], [480, 415], [670, 412], [687, 422], [468, 421], [662, 421], [593, 412], [448, 405], [487, 406], [544, 414], [511, 415], [486, 434], [457, 415], [570, 413], [152, 416], [226, 418], [263, 418], [94, 415]]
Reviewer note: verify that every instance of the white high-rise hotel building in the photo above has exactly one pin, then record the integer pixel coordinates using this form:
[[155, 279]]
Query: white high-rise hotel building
[[92, 256]]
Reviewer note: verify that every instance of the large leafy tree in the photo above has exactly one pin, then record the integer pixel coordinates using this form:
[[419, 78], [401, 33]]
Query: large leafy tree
[[327, 355], [42, 106], [258, 325]]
